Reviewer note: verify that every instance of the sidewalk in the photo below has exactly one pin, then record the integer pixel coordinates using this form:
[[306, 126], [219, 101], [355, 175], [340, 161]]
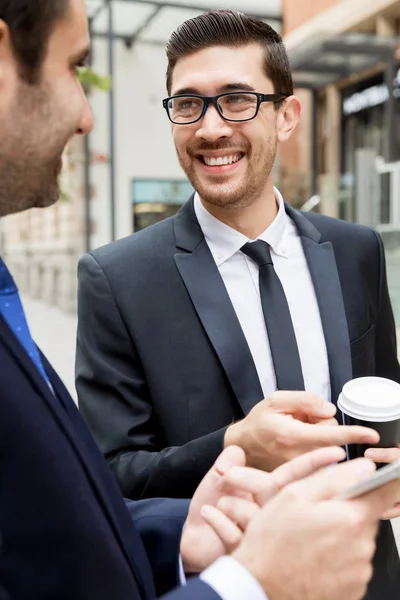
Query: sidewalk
[[55, 333]]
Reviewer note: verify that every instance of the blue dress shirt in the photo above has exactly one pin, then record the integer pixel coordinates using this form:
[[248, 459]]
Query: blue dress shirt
[[13, 313]]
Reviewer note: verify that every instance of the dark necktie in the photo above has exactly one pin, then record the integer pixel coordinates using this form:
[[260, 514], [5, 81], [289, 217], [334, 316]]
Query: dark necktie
[[13, 313], [282, 340]]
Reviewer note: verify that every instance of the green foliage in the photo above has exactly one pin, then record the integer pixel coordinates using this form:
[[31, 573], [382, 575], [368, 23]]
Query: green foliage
[[90, 79]]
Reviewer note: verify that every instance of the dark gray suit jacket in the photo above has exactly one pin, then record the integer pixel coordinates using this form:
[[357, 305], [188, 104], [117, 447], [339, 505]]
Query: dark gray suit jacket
[[163, 366]]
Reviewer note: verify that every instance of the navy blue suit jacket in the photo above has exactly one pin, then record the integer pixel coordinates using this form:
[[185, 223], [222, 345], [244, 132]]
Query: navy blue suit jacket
[[65, 532]]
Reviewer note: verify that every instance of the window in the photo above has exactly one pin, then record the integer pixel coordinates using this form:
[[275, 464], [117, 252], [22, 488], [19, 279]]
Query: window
[[156, 199]]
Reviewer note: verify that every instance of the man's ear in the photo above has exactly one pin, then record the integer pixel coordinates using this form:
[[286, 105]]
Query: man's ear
[[288, 117], [7, 56]]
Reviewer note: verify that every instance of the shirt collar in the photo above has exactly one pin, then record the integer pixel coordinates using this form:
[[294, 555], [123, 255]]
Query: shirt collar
[[224, 241]]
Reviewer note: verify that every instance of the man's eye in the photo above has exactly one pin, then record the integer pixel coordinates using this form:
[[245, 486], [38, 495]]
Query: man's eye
[[186, 104], [237, 99]]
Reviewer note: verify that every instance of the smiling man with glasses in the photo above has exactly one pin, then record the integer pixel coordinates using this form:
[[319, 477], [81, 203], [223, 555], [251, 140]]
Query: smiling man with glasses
[[187, 329]]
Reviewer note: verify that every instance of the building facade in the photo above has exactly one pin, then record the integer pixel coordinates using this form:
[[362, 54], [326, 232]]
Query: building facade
[[345, 90]]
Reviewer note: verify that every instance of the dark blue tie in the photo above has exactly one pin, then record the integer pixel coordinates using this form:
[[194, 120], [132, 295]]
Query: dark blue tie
[[13, 313], [282, 339]]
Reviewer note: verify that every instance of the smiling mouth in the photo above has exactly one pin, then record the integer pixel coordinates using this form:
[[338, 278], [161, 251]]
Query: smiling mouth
[[219, 161]]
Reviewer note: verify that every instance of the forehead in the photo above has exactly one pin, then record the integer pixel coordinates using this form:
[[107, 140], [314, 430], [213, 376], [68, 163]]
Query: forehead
[[71, 34], [217, 66]]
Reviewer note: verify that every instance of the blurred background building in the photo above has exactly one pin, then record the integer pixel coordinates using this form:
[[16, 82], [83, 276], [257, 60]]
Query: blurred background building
[[345, 154]]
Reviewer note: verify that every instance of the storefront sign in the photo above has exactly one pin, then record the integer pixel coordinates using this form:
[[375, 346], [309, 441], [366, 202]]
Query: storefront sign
[[370, 96]]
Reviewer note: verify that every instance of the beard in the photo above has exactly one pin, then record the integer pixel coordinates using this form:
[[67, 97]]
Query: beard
[[226, 194], [24, 185], [30, 152]]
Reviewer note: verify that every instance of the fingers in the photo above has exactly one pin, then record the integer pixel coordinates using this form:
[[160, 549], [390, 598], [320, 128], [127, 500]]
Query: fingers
[[383, 455], [392, 513], [238, 510], [380, 501], [319, 435], [227, 531], [230, 457], [325, 422], [259, 484], [265, 485], [329, 483], [302, 403], [306, 464]]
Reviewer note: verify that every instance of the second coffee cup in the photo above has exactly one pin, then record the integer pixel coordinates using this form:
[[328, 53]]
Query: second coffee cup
[[372, 402]]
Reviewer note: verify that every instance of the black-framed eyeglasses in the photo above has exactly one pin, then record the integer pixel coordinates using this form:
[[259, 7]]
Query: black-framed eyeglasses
[[185, 109]]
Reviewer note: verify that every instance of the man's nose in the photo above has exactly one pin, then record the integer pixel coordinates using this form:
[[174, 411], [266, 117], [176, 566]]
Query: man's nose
[[213, 126], [86, 123]]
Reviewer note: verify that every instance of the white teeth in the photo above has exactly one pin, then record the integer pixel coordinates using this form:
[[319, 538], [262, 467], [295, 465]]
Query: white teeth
[[221, 160]]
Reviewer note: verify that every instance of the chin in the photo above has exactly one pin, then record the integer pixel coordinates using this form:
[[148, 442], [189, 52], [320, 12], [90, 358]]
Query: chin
[[48, 199], [223, 198]]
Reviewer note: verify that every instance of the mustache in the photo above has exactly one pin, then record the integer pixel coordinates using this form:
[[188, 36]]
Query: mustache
[[216, 146]]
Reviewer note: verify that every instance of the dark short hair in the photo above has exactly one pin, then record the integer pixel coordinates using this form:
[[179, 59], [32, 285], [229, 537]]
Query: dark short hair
[[231, 28], [30, 23]]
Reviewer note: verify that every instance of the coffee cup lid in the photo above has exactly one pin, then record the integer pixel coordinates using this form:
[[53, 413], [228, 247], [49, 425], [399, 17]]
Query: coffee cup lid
[[371, 399]]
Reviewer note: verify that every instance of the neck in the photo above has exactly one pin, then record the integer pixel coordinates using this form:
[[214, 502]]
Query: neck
[[250, 220]]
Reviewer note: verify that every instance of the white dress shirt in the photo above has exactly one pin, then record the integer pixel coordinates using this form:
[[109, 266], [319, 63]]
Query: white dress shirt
[[226, 576], [240, 276], [230, 579]]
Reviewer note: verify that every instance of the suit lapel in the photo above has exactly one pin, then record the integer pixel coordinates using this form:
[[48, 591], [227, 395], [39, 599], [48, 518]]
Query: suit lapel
[[214, 308], [323, 269], [110, 496], [71, 423]]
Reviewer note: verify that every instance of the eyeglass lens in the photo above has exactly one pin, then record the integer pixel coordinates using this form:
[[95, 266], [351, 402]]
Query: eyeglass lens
[[236, 107]]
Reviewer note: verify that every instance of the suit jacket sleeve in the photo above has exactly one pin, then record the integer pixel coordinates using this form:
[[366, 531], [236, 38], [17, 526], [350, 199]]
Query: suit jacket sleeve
[[387, 364], [194, 590], [159, 522], [115, 401]]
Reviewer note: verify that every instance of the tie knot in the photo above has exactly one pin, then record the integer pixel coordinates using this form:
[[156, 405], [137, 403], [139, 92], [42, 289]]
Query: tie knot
[[259, 252]]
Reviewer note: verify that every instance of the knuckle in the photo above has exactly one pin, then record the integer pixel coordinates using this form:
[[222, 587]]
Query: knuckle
[[234, 540], [285, 439], [223, 503], [355, 521], [274, 399], [369, 549], [291, 492], [265, 420]]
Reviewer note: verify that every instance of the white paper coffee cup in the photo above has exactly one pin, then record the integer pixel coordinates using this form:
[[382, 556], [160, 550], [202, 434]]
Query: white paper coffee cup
[[372, 402], [371, 399]]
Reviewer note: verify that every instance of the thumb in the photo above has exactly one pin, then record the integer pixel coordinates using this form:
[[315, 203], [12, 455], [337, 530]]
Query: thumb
[[232, 456]]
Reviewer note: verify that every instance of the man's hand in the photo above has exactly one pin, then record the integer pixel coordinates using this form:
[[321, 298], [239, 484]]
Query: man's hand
[[386, 455], [289, 424], [306, 543], [202, 543]]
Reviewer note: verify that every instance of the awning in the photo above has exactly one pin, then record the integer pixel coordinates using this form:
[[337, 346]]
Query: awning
[[326, 60]]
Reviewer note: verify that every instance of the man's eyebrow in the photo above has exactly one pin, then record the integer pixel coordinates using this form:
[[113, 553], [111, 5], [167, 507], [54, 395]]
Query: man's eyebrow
[[234, 87], [187, 91], [227, 87]]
